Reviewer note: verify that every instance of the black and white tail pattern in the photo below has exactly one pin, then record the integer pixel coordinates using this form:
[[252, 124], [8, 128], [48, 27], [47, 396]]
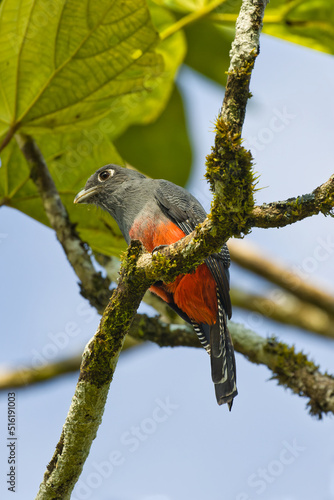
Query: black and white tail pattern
[[203, 336], [216, 340]]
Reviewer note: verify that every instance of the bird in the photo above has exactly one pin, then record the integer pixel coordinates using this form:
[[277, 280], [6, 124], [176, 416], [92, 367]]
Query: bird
[[158, 212]]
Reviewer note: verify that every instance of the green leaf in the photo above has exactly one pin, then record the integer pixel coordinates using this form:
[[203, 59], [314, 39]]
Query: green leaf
[[208, 43], [184, 6], [66, 63], [172, 52], [160, 149], [208, 49], [71, 160], [307, 22], [74, 53]]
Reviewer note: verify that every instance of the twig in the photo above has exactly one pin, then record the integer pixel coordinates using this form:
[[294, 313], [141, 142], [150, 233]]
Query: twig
[[93, 286], [283, 213]]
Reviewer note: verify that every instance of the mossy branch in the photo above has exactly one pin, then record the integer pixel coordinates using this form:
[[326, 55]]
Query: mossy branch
[[96, 372], [283, 213], [229, 166], [292, 369]]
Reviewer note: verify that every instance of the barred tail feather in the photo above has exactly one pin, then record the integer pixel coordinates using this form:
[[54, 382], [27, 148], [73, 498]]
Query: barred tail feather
[[216, 340], [223, 368]]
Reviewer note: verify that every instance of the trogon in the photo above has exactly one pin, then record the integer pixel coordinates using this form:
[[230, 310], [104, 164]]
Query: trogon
[[158, 212]]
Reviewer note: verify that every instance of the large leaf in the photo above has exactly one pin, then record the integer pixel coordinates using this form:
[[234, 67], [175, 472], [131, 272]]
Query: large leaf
[[307, 22], [63, 67], [160, 149], [208, 43], [208, 49], [96, 60], [71, 160]]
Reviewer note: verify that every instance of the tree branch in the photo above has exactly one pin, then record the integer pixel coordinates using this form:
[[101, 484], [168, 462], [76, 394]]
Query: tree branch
[[244, 51], [167, 315], [93, 286], [292, 369], [229, 166], [96, 372], [283, 213], [248, 257], [287, 309], [29, 375], [142, 328]]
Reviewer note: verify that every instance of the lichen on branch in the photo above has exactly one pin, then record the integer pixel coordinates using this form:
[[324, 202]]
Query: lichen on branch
[[229, 166], [232, 180], [96, 372]]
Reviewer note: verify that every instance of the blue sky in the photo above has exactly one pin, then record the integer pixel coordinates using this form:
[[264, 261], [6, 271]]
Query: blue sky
[[163, 437]]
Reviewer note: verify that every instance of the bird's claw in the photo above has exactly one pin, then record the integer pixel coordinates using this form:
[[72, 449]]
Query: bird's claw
[[158, 248]]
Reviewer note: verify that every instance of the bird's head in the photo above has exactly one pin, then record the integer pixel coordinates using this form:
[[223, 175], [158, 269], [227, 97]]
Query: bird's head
[[105, 183]]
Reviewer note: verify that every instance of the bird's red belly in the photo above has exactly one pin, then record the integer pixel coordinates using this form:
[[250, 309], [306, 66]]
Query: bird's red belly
[[194, 293]]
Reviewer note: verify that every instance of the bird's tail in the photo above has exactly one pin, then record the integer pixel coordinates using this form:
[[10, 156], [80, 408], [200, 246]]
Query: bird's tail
[[223, 369]]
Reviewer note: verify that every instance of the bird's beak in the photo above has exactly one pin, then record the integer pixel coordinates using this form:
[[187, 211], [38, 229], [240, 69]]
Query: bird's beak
[[84, 195]]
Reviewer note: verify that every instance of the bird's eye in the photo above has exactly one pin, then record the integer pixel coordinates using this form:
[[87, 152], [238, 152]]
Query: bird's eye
[[103, 176]]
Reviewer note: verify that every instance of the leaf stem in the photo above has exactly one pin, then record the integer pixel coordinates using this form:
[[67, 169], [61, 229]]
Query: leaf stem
[[9, 135], [190, 18]]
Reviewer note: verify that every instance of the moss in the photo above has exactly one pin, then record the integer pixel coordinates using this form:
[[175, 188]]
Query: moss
[[163, 264], [292, 369], [101, 358], [287, 361], [231, 177]]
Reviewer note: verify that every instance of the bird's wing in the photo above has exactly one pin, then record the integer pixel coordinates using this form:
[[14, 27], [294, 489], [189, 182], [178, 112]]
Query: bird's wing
[[186, 212]]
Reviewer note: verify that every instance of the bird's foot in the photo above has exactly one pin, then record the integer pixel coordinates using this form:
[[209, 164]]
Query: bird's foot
[[158, 248]]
